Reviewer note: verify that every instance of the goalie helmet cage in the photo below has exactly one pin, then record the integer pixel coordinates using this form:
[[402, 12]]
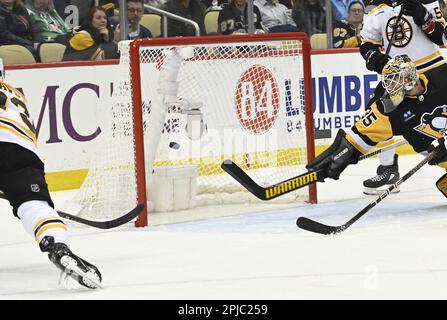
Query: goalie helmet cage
[[262, 90]]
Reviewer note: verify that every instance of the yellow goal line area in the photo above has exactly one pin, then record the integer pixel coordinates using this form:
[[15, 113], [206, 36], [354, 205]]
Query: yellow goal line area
[[73, 179]]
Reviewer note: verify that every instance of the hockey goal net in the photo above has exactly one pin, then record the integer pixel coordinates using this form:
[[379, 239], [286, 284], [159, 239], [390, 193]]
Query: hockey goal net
[[193, 102]]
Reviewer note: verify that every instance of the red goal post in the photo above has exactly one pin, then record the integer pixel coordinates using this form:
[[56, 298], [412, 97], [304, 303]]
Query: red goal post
[[243, 97]]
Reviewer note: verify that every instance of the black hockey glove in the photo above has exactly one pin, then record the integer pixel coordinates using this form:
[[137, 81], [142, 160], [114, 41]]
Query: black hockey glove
[[375, 60], [336, 158], [441, 151], [415, 9]]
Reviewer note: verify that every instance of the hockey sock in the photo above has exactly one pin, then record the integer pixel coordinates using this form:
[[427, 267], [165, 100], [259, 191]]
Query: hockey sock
[[40, 220], [387, 157]]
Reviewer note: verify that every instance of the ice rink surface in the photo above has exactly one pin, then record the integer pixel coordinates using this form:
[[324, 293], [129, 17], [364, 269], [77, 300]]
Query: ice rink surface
[[398, 250]]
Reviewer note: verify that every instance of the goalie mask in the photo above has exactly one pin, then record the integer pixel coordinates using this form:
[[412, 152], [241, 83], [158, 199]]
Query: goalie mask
[[399, 76]]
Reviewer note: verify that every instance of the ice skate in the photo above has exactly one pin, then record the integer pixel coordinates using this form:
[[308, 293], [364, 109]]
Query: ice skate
[[386, 176], [73, 266]]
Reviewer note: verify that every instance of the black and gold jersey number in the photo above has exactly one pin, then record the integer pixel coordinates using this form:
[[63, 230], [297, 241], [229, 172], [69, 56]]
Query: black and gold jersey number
[[368, 118], [24, 113]]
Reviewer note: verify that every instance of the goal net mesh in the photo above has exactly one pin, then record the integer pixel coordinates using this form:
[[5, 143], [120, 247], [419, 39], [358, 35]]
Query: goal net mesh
[[242, 101]]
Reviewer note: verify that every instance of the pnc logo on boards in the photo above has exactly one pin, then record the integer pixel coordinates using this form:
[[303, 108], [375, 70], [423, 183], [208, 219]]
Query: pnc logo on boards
[[257, 99]]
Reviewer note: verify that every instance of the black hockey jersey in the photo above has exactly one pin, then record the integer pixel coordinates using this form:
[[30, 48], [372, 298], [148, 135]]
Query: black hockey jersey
[[344, 35], [232, 20], [419, 119]]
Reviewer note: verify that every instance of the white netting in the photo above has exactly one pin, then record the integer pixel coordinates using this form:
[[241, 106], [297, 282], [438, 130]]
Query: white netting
[[247, 105]]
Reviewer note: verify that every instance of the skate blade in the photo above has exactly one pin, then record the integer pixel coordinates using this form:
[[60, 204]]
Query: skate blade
[[86, 279], [376, 192]]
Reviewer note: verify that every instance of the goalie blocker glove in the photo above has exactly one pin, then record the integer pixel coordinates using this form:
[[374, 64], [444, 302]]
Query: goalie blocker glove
[[336, 158]]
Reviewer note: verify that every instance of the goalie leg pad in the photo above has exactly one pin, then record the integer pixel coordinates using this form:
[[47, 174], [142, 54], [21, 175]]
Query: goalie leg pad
[[441, 184]]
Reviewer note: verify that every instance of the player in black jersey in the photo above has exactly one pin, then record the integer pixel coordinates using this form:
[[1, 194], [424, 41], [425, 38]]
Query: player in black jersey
[[418, 34], [233, 18], [420, 117]]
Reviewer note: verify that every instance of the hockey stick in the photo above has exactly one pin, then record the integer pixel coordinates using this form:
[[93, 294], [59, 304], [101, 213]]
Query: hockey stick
[[289, 185], [393, 36], [132, 214], [314, 226]]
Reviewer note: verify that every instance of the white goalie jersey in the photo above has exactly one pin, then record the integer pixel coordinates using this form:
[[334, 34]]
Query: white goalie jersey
[[16, 125], [378, 26]]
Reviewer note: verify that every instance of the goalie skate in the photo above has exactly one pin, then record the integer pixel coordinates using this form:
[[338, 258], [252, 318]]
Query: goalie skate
[[71, 265], [386, 176]]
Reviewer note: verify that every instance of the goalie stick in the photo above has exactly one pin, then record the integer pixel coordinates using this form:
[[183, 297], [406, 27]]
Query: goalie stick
[[132, 214], [289, 185], [317, 227]]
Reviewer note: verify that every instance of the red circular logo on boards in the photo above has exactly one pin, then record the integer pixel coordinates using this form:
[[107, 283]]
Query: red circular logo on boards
[[257, 99]]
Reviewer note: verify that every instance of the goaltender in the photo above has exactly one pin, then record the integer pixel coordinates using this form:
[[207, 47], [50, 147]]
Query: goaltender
[[414, 107]]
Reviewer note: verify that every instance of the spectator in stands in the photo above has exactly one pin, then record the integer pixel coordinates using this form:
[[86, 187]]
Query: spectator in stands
[[16, 26], [309, 16], [340, 9], [93, 40], [233, 18], [275, 16], [84, 7], [135, 11], [160, 4], [46, 20], [189, 9], [346, 33]]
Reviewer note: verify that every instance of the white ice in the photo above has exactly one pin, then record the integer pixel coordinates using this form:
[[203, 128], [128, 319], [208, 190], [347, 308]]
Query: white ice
[[396, 251]]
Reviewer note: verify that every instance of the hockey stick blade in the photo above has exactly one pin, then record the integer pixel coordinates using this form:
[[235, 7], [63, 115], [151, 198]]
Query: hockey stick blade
[[289, 185], [317, 227], [275, 190], [135, 212], [132, 214], [314, 226]]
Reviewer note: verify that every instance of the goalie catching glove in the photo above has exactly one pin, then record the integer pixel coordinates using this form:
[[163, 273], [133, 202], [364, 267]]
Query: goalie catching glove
[[336, 158]]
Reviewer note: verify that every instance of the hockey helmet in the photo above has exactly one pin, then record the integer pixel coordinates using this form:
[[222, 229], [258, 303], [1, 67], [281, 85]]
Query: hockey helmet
[[398, 77], [2, 71]]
